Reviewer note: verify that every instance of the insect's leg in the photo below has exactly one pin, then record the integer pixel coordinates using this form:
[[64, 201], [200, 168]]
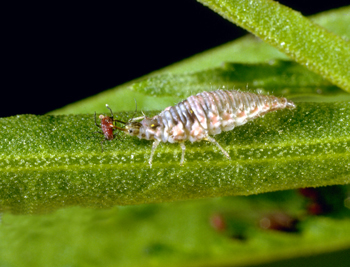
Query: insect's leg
[[183, 147], [96, 121], [116, 136], [154, 146], [212, 140]]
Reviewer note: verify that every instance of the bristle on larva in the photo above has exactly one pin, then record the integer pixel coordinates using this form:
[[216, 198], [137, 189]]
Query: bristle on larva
[[198, 117]]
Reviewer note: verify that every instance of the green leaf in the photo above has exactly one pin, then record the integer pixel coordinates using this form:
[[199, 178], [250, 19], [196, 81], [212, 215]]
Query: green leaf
[[54, 161], [287, 30], [276, 77], [178, 234]]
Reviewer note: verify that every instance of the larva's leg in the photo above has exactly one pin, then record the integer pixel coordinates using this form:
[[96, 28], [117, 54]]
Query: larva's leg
[[212, 140], [183, 147], [154, 146]]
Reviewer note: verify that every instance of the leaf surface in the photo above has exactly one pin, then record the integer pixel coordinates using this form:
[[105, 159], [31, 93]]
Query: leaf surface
[[54, 161]]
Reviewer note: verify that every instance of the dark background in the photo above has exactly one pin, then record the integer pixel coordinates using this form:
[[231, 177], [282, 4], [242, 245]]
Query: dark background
[[55, 54]]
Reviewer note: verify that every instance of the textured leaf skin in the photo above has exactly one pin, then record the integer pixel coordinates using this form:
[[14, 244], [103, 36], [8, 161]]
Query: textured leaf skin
[[53, 161], [307, 43]]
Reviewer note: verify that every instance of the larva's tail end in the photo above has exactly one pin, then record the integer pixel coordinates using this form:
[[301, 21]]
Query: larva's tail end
[[290, 105]]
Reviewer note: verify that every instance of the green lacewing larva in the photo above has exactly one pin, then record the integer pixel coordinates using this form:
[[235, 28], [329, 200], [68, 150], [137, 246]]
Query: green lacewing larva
[[196, 118]]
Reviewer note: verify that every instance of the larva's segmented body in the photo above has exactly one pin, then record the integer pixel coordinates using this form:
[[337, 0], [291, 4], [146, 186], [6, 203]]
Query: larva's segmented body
[[202, 115]]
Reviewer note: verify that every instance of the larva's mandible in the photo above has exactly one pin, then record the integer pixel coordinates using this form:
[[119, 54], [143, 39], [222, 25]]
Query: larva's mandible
[[197, 117]]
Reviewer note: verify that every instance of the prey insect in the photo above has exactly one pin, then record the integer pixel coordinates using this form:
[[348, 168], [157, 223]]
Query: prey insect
[[196, 118], [107, 126]]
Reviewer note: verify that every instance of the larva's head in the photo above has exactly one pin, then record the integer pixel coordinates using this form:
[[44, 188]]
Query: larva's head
[[145, 129], [132, 128]]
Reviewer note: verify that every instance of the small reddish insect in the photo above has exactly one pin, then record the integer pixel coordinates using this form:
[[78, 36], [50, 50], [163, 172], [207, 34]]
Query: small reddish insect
[[197, 117], [107, 126]]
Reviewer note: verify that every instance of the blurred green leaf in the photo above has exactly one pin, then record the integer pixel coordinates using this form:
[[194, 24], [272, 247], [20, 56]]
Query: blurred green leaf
[[276, 77], [175, 234]]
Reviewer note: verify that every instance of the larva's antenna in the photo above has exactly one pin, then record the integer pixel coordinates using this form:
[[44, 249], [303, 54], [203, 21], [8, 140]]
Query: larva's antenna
[[132, 118]]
